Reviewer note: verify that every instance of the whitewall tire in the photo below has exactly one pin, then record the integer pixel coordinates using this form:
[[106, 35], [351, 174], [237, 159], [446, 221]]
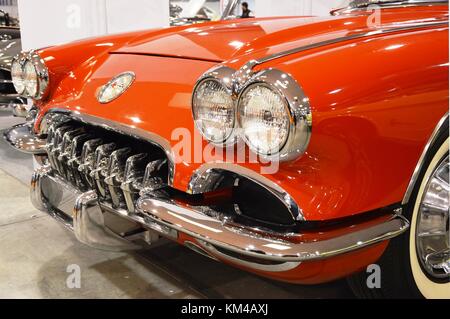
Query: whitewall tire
[[428, 287]]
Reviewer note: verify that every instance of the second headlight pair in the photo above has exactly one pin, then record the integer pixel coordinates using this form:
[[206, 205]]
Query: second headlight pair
[[270, 112], [30, 75]]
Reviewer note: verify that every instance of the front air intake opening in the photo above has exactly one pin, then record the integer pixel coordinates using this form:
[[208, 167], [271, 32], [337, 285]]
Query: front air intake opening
[[250, 204]]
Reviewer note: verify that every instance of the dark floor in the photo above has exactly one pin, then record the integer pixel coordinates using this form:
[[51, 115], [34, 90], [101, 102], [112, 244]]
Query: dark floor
[[35, 252]]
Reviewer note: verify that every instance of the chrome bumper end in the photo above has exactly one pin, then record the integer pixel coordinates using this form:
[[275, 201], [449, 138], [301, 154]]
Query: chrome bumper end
[[22, 138]]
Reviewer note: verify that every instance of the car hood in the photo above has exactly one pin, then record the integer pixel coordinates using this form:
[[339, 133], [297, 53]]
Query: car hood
[[222, 41]]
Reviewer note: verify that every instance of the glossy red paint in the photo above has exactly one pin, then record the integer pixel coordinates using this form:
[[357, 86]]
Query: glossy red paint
[[375, 101]]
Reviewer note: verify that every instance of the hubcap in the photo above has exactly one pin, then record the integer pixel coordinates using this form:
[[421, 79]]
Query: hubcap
[[432, 232]]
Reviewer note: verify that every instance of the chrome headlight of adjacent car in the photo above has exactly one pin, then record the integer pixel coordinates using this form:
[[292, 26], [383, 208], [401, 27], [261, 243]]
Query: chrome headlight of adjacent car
[[30, 75], [213, 106], [270, 112]]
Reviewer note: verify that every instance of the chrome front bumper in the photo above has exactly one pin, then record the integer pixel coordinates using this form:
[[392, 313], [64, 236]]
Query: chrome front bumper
[[213, 234], [83, 213]]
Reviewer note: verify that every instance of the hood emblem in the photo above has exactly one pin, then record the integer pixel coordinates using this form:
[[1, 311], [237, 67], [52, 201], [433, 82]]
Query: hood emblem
[[116, 87]]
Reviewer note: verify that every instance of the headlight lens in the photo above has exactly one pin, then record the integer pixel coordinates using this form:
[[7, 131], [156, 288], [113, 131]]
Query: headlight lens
[[17, 76], [30, 75], [31, 79], [264, 119], [213, 110]]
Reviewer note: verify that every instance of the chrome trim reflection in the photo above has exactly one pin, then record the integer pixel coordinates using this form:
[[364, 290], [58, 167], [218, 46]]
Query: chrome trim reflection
[[440, 129]]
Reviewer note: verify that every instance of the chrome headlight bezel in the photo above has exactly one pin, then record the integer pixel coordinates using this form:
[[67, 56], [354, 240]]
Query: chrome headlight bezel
[[224, 77], [298, 110], [42, 74]]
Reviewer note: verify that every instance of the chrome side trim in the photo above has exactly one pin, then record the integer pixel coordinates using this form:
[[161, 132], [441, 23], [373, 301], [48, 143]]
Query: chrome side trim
[[118, 127], [437, 131], [199, 184], [264, 248], [355, 36], [22, 138]]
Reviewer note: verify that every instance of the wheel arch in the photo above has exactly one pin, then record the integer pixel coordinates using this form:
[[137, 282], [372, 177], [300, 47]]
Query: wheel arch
[[441, 128]]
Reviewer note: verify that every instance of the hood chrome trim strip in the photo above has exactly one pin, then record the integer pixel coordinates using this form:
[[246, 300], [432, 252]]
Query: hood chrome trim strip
[[355, 36]]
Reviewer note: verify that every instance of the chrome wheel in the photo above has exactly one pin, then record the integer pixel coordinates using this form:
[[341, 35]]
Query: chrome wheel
[[432, 231]]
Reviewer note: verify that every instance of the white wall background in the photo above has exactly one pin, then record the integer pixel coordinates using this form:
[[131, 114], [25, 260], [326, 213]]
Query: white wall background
[[267, 8], [50, 22]]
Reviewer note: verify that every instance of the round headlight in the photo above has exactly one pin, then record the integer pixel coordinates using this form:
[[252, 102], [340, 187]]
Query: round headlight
[[30, 79], [30, 75], [213, 110], [264, 119], [17, 76]]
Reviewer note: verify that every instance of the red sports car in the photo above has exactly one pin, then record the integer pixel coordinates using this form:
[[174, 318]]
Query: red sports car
[[302, 149]]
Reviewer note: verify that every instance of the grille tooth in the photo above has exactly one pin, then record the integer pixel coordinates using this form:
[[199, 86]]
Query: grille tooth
[[66, 151], [115, 176], [75, 160], [56, 147], [50, 143], [134, 175], [102, 158], [154, 175], [88, 161]]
